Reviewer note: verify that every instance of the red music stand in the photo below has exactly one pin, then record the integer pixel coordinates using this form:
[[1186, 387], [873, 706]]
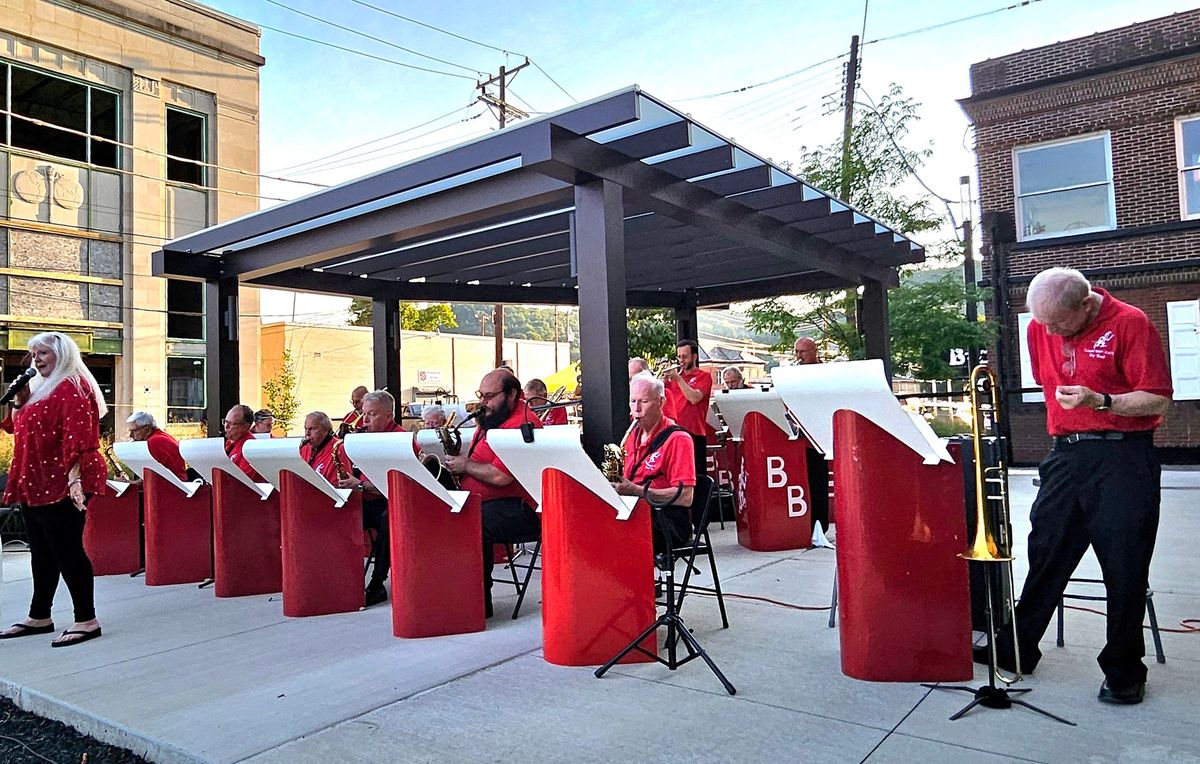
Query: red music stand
[[247, 557], [112, 532], [771, 486], [178, 532], [322, 550]]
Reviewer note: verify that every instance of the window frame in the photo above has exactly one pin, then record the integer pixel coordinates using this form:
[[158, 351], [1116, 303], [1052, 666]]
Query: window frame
[[203, 407], [1018, 197], [1181, 168], [204, 135], [6, 141], [203, 312]]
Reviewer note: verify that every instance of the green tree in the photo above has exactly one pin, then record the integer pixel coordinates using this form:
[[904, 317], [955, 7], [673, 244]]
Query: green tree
[[433, 317], [651, 333], [280, 392], [926, 316]]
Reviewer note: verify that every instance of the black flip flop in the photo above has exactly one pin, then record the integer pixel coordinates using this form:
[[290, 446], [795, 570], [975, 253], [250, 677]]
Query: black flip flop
[[84, 637], [28, 631]]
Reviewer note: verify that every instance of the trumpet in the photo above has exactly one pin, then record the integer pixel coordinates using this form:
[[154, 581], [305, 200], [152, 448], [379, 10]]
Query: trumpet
[[993, 531], [661, 368]]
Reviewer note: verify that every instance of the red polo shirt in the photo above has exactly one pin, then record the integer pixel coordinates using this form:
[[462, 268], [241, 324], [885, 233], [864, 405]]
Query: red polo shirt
[[233, 449], [165, 450], [1118, 352], [667, 466], [480, 451], [692, 417], [554, 416], [320, 458], [48, 437]]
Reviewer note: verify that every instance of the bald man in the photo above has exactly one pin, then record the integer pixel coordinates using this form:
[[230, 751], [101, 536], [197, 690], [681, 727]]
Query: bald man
[[805, 352], [353, 421]]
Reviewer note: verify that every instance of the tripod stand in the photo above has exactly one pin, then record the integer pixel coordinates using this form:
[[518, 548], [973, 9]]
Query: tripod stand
[[990, 695], [676, 629]]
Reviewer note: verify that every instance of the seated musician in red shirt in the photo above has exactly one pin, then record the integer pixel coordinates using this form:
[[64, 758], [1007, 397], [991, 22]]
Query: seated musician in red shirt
[[378, 415], [353, 421], [507, 510], [237, 424], [535, 395], [161, 444], [322, 449], [659, 462]]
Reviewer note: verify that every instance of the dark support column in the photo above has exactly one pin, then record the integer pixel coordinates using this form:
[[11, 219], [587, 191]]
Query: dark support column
[[223, 391], [385, 330], [498, 325], [686, 325], [875, 327], [599, 255]]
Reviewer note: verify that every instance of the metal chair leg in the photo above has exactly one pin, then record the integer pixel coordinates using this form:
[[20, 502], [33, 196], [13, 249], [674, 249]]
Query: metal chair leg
[[1158, 649], [1060, 641], [537, 550]]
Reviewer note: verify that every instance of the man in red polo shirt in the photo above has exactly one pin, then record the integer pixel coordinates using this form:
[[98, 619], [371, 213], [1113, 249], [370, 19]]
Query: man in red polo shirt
[[1101, 365], [688, 389], [535, 395], [162, 445], [237, 424], [353, 420], [320, 446], [507, 510], [378, 415], [659, 461]]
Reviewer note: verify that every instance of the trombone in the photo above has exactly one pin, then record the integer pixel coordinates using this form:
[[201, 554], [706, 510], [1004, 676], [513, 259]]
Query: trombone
[[993, 530]]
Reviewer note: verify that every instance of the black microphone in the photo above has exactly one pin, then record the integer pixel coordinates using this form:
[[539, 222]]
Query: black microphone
[[18, 385]]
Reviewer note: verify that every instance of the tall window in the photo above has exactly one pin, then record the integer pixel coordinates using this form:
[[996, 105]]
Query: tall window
[[185, 309], [185, 141], [185, 389], [71, 116], [1188, 142], [1065, 188]]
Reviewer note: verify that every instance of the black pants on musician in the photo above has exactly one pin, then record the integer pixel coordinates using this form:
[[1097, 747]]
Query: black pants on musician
[[818, 487], [56, 550], [1106, 494], [505, 521], [375, 517], [700, 447]]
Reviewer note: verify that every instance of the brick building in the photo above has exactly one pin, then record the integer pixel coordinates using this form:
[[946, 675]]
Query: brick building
[[1089, 157], [125, 123]]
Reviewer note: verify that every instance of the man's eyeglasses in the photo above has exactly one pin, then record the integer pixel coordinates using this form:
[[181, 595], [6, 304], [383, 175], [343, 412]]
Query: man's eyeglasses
[[229, 423], [1068, 351], [487, 396]]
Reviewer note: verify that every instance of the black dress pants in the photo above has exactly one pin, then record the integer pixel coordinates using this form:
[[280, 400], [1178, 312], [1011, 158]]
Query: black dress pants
[[505, 521], [1106, 494], [700, 447], [56, 549], [375, 517]]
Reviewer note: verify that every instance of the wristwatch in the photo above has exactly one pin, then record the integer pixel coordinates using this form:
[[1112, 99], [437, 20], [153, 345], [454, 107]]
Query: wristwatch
[[1107, 404]]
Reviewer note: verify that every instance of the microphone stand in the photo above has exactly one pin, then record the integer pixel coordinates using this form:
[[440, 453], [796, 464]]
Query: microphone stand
[[676, 628]]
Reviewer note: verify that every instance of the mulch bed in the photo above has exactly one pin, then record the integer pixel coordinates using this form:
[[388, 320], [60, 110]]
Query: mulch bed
[[26, 738]]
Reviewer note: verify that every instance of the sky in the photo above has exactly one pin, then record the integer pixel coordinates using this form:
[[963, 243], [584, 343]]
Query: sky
[[330, 115]]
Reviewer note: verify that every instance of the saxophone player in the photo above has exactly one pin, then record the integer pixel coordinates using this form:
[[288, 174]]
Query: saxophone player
[[162, 445], [322, 449]]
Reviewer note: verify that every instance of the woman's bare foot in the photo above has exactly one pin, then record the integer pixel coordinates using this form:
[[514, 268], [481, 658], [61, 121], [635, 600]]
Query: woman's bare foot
[[79, 632], [22, 627]]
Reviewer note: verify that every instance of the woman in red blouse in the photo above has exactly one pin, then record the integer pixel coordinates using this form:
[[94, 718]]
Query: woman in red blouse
[[56, 466]]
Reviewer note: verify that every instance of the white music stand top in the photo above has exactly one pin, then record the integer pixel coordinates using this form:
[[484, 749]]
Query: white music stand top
[[813, 392], [429, 442], [136, 455], [207, 455], [734, 405], [376, 453], [271, 456], [558, 447]]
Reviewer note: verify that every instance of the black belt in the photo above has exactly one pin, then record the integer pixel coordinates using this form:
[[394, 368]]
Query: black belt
[[1076, 437]]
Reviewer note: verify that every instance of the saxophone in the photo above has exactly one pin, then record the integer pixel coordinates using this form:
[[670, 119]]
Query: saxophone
[[338, 467], [450, 437], [613, 462]]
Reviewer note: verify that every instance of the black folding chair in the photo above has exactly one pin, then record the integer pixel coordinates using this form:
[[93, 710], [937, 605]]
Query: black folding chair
[[521, 582], [700, 544], [1159, 655]]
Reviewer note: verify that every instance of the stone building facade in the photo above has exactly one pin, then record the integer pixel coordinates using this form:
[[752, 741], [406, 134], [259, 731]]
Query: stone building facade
[[126, 123], [1089, 157]]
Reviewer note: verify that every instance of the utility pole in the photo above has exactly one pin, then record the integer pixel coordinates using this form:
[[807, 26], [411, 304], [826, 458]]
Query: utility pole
[[498, 103], [972, 311], [848, 118]]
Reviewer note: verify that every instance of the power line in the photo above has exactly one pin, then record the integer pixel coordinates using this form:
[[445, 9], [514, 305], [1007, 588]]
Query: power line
[[771, 81], [473, 41], [372, 37], [364, 54], [932, 27], [374, 140]]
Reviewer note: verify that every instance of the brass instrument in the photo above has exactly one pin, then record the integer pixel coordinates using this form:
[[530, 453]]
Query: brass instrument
[[450, 437], [451, 440], [613, 462], [116, 468], [661, 368], [993, 531], [338, 467]]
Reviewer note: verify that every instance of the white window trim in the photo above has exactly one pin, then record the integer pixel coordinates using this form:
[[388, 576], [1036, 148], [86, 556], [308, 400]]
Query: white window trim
[[1023, 321], [1112, 194], [1181, 168]]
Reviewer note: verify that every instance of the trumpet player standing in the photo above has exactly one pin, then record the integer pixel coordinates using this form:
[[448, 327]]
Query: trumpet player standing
[[688, 389], [1101, 365]]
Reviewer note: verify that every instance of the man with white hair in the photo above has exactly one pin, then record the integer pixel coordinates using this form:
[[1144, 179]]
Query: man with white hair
[[659, 461], [433, 416], [161, 444], [1101, 366]]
